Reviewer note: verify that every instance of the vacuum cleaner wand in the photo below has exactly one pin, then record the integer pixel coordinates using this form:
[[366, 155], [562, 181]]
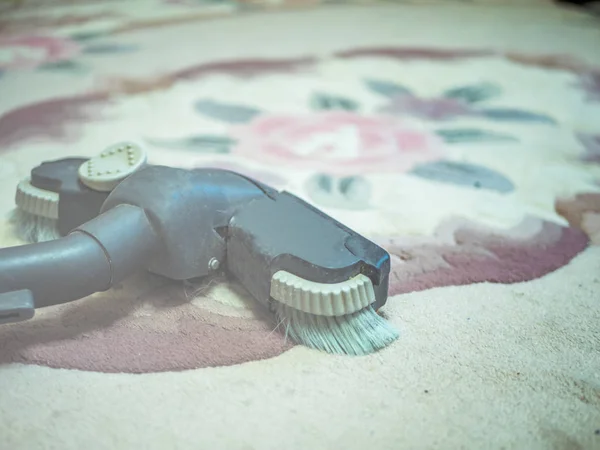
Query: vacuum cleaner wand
[[90, 259], [185, 224]]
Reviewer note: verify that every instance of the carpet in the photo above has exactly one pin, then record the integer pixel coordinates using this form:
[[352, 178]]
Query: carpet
[[463, 137]]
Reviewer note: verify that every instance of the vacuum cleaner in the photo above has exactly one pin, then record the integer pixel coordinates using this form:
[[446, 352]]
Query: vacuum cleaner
[[115, 214]]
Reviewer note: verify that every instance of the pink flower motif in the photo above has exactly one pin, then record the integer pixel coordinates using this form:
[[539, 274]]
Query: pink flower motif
[[28, 52], [341, 143], [428, 108]]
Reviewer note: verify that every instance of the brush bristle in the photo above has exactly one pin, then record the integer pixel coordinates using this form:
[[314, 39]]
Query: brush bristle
[[360, 333], [33, 228]]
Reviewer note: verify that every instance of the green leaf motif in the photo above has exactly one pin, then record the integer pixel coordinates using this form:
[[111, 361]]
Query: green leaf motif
[[387, 88], [469, 135], [68, 66], [109, 48], [517, 115], [226, 112], [201, 144], [462, 174], [332, 102], [475, 93], [351, 192]]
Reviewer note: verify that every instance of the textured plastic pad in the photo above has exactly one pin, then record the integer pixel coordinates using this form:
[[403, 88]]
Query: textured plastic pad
[[323, 299], [105, 171], [39, 202]]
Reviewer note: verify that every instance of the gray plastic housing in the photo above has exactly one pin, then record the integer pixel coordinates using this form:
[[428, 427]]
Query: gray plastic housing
[[177, 223], [286, 233], [190, 211]]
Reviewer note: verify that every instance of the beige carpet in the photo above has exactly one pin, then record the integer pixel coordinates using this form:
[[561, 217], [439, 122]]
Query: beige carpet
[[462, 137]]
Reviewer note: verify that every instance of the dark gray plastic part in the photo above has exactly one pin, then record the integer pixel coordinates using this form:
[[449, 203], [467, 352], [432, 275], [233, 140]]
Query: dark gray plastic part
[[286, 233], [127, 239], [183, 224], [57, 271], [188, 210], [77, 203], [90, 259], [16, 306]]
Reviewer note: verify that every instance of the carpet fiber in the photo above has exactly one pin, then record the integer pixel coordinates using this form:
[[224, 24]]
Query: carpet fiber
[[463, 137]]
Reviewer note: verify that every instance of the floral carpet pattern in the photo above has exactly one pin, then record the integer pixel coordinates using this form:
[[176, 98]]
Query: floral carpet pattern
[[471, 155], [417, 162]]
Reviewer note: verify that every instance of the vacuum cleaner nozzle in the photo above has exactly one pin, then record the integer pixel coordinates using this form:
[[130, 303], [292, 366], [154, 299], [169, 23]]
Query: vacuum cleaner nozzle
[[185, 224]]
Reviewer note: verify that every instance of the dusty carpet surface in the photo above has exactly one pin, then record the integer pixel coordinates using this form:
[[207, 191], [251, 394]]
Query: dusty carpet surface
[[463, 137]]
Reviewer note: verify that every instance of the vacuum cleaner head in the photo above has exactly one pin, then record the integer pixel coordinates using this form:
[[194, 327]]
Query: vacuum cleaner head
[[323, 281], [60, 195]]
